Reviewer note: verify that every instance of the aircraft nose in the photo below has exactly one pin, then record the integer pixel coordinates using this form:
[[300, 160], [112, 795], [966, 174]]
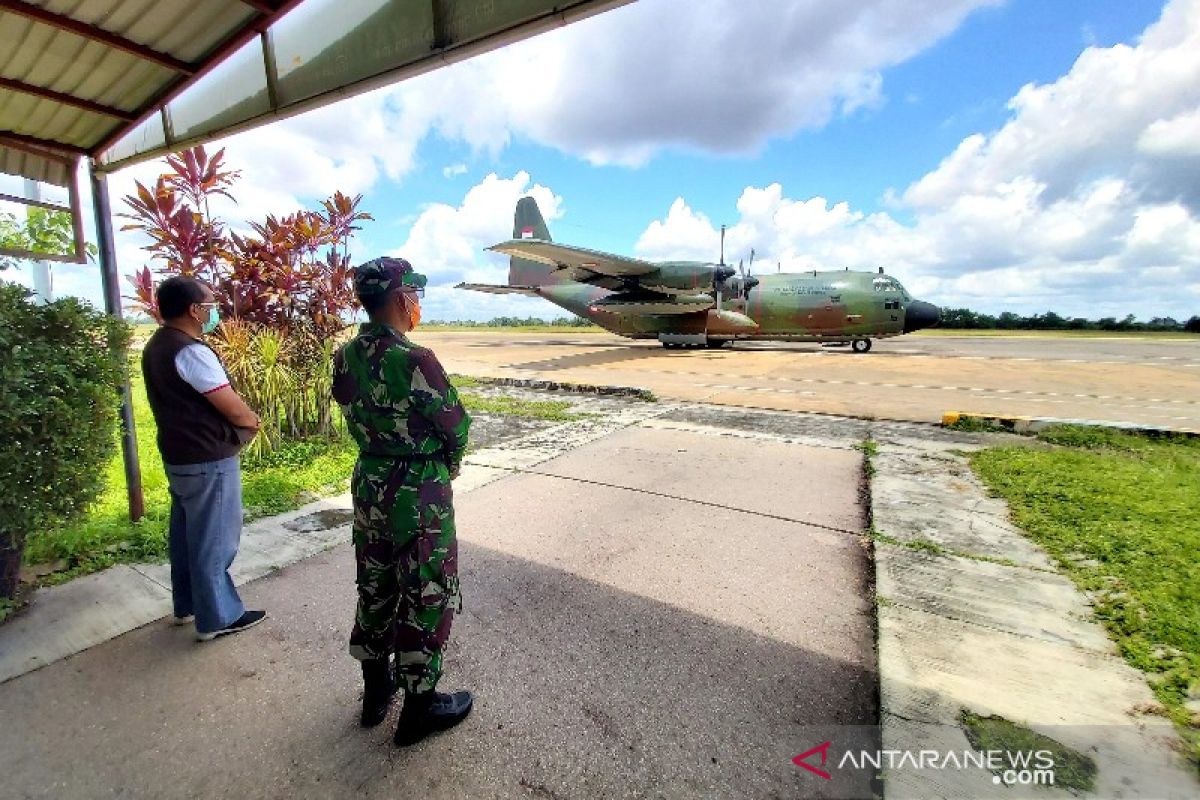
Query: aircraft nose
[[920, 314]]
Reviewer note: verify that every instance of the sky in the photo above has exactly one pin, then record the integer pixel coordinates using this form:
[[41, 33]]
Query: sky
[[1016, 155]]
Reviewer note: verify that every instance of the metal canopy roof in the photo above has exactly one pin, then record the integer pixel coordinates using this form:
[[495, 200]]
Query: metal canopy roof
[[76, 74], [120, 81]]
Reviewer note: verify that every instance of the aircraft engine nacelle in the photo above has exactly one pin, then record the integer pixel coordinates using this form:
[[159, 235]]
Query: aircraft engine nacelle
[[729, 323], [687, 276]]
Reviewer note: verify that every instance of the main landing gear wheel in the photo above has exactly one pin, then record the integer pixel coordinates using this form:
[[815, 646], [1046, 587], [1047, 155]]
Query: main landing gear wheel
[[861, 345]]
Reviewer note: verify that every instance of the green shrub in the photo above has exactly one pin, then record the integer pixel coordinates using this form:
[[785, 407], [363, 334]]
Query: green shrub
[[60, 372]]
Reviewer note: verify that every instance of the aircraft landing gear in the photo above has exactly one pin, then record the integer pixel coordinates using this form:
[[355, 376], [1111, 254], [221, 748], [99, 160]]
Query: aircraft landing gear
[[717, 344], [861, 345]]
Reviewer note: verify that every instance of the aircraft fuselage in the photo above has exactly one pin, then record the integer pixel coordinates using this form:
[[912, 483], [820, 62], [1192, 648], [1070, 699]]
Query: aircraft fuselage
[[807, 306]]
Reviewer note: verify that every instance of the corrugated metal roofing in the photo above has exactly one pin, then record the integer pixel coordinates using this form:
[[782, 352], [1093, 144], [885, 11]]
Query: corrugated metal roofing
[[85, 76], [45, 168], [74, 48]]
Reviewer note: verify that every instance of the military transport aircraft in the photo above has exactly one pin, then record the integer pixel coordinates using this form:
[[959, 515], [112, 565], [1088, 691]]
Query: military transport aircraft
[[698, 304]]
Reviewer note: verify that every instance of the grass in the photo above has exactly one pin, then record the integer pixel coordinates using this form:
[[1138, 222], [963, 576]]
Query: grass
[[1068, 334], [104, 535], [976, 425], [300, 471], [869, 449], [1120, 514], [1072, 769], [554, 410]]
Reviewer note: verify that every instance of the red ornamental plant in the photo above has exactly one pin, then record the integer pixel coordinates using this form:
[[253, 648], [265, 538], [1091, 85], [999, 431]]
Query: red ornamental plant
[[290, 274], [175, 215], [280, 277], [294, 272]]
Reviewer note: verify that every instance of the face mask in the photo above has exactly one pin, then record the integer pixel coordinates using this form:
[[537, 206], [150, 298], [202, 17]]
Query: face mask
[[214, 319], [413, 309]]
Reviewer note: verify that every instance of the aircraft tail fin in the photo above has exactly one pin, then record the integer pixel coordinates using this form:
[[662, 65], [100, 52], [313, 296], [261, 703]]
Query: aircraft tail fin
[[528, 224]]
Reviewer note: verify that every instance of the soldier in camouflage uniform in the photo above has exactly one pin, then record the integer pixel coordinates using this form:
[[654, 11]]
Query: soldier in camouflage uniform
[[411, 432]]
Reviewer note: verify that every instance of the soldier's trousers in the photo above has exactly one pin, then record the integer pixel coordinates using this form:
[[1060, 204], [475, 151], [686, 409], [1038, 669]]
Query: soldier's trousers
[[407, 557]]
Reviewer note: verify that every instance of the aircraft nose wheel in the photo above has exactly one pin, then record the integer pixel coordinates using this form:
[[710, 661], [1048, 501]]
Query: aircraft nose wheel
[[861, 345]]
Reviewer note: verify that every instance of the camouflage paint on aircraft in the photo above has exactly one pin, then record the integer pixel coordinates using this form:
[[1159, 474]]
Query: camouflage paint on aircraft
[[696, 303]]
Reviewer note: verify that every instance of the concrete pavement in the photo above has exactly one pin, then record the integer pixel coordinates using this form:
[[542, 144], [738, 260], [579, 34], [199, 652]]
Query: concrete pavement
[[635, 625], [981, 621]]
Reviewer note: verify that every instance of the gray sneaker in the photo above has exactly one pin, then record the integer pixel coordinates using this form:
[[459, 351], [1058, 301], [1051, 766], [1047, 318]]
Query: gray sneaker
[[247, 620]]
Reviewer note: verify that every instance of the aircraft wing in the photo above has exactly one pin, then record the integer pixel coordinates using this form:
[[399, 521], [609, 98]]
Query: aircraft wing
[[493, 289], [576, 259]]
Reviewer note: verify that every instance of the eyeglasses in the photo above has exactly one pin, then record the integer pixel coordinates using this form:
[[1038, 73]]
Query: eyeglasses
[[417, 290]]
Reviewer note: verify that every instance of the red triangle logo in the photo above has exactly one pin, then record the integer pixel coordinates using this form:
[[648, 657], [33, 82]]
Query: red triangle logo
[[823, 749]]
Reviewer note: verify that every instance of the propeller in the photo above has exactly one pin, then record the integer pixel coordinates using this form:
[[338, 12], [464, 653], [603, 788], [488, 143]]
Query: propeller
[[721, 272], [748, 279]]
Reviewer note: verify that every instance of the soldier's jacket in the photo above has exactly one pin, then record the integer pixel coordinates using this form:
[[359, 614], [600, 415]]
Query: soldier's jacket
[[396, 398], [411, 432]]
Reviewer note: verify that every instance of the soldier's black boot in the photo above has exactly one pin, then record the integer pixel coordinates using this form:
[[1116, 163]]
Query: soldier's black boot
[[379, 684], [430, 712]]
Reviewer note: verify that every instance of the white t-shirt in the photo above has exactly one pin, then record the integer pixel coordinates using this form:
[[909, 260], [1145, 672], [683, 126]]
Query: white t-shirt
[[199, 367]]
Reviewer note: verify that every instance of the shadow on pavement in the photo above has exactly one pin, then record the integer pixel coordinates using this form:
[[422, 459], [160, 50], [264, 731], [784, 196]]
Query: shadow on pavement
[[583, 691]]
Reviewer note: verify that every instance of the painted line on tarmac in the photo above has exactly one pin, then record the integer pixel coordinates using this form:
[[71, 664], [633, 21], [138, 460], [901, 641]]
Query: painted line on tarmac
[[881, 385], [979, 394], [1143, 362]]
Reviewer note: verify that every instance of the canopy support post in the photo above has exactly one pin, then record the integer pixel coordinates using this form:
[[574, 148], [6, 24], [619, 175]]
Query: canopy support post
[[111, 280]]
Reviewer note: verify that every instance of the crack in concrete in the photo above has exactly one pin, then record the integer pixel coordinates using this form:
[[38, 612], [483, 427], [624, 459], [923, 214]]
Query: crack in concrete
[[666, 496]]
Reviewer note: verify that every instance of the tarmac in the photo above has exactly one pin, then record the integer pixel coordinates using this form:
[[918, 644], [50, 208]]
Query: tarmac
[[662, 599], [1148, 382]]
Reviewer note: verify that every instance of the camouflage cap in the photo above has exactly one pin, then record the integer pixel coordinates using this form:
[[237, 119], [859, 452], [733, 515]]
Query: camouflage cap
[[382, 275]]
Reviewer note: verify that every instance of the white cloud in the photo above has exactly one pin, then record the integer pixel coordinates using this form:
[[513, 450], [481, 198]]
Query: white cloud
[[1123, 110], [729, 80], [446, 243], [1175, 137], [348, 147], [1086, 201], [454, 170]]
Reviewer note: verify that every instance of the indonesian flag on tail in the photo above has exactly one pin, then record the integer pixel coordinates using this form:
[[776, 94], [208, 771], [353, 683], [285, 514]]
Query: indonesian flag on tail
[[526, 233]]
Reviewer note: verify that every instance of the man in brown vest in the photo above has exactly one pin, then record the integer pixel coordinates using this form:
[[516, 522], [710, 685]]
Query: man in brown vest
[[202, 425]]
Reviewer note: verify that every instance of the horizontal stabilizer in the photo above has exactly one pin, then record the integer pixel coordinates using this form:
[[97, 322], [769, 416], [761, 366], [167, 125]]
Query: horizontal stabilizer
[[489, 288], [578, 258]]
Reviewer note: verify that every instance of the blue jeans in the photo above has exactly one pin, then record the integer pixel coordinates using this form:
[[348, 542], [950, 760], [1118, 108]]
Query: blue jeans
[[206, 525]]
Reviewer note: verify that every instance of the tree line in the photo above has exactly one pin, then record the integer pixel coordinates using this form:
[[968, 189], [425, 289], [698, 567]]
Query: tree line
[[515, 322], [967, 319]]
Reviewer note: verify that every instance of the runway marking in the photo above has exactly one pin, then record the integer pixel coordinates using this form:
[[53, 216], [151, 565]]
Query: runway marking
[[1001, 393], [1138, 404], [1148, 361]]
